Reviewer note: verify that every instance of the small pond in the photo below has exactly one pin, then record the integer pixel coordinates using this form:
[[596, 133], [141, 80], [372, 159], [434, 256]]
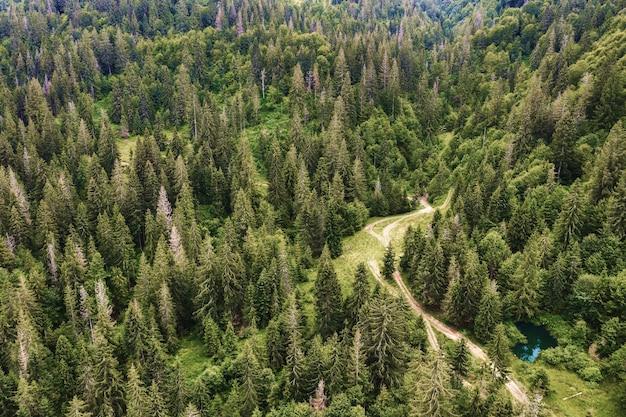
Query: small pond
[[538, 339]]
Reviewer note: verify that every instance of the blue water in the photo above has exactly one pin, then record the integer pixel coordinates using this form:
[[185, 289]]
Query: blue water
[[537, 337]]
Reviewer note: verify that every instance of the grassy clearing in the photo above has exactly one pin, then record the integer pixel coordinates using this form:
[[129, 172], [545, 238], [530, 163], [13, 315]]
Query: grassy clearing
[[127, 147], [192, 359], [358, 248], [597, 400]]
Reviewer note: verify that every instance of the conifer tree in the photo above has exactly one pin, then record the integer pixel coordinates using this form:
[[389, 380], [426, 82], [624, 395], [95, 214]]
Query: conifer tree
[[332, 234], [383, 331], [232, 273], [108, 152], [137, 400], [274, 344], [460, 358], [465, 293], [499, 350], [294, 358], [328, 301], [433, 393], [389, 263], [76, 408], [107, 381], [156, 405], [212, 342], [433, 274], [356, 370], [135, 332], [167, 316], [360, 293], [523, 299], [249, 369], [489, 313]]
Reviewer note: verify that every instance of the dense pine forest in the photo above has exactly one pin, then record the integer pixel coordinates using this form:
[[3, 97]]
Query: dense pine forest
[[185, 188]]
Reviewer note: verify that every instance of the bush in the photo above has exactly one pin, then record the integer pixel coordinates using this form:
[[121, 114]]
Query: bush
[[591, 374], [573, 359]]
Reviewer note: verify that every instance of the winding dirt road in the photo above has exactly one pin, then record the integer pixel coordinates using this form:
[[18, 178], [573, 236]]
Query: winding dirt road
[[430, 322]]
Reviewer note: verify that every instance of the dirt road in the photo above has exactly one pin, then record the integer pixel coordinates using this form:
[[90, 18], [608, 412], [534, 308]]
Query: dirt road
[[430, 322]]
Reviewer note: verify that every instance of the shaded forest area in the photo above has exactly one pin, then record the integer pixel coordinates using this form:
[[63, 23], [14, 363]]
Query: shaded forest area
[[183, 174]]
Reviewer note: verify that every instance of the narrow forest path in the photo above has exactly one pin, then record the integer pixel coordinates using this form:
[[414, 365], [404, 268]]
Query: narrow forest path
[[430, 322]]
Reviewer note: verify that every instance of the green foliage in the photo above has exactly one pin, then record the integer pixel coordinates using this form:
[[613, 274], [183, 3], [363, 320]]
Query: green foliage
[[328, 299], [389, 263], [169, 173]]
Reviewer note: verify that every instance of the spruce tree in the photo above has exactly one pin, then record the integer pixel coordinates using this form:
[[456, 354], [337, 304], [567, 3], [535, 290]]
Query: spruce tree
[[384, 335], [328, 301], [76, 408], [249, 369], [499, 350], [489, 313], [108, 152], [360, 293], [212, 341], [389, 263], [460, 358], [332, 233], [294, 358], [433, 393], [434, 277], [137, 400]]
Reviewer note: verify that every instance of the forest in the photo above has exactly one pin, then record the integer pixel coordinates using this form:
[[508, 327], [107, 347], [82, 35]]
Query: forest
[[311, 208]]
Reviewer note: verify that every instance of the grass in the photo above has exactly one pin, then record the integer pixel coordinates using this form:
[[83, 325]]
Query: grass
[[361, 247], [192, 359], [597, 400], [126, 148]]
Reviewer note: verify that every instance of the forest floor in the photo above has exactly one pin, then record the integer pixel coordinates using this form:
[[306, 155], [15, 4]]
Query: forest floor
[[430, 322]]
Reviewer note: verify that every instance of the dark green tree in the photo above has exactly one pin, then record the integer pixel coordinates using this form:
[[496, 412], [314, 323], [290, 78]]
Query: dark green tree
[[328, 300], [389, 263], [489, 313]]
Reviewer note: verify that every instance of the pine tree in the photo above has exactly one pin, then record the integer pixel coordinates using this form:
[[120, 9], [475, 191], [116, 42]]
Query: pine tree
[[135, 332], [167, 316], [263, 298], [328, 301], [433, 388], [6, 256], [249, 369], [332, 234], [107, 381], [190, 411], [76, 408], [357, 373], [384, 334], [297, 92], [360, 293], [489, 313], [433, 274], [499, 350], [294, 358], [523, 299], [274, 344], [467, 292], [108, 152], [232, 273], [389, 263], [460, 358], [137, 400], [212, 342], [156, 405], [177, 389], [569, 222], [229, 341]]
